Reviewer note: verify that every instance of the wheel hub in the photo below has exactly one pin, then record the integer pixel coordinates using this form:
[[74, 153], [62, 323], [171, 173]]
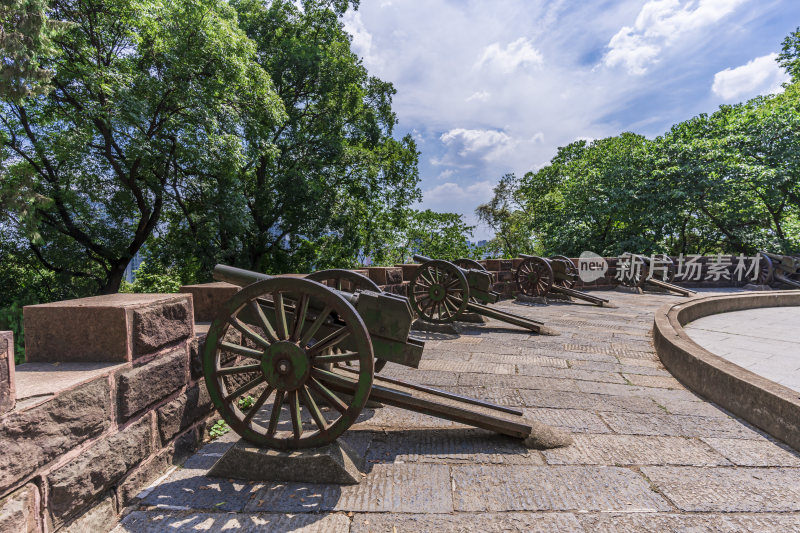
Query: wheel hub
[[286, 366], [436, 293]]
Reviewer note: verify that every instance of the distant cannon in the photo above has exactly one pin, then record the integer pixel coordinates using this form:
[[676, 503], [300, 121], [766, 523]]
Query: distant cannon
[[640, 270], [306, 352], [783, 268], [537, 276], [441, 291]]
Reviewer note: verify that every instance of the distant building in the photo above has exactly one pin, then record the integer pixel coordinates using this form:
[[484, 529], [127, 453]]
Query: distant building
[[130, 270]]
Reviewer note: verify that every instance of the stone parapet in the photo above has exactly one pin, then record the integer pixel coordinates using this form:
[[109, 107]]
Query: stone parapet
[[85, 437], [208, 297], [7, 387]]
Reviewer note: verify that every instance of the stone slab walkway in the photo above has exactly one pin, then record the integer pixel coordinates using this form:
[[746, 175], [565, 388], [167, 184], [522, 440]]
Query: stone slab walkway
[[649, 455], [764, 341]]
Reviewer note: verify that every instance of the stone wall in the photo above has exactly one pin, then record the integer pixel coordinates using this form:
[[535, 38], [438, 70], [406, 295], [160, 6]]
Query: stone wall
[[108, 400]]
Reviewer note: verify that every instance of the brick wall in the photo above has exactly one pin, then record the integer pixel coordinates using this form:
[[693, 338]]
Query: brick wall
[[109, 399]]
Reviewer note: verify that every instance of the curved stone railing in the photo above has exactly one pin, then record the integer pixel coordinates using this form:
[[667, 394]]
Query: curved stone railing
[[767, 405]]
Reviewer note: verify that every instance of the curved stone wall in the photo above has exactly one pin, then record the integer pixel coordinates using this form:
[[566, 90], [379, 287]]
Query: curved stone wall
[[765, 404]]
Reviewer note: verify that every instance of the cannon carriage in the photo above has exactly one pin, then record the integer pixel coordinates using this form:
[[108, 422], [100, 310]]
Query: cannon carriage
[[442, 291], [658, 271], [781, 268], [289, 363], [538, 276]]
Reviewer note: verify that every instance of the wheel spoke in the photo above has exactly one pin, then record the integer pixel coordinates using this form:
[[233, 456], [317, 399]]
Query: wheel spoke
[[263, 322], [257, 406], [244, 351], [277, 405], [430, 280], [332, 400], [300, 317], [316, 414], [246, 387], [338, 284], [315, 326], [249, 333], [330, 341], [294, 409], [237, 370], [335, 358], [280, 316]]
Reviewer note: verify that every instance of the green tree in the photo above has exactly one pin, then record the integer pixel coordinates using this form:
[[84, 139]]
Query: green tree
[[336, 176], [147, 97], [505, 215], [436, 235], [789, 58]]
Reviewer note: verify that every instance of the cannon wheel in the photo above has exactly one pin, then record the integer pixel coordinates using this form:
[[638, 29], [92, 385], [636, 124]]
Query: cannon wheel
[[572, 272], [439, 291], [468, 264], [279, 355], [665, 259], [534, 276], [766, 273], [340, 277], [640, 279], [336, 278]]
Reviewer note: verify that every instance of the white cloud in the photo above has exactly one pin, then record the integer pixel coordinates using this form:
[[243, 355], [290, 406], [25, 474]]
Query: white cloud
[[517, 54], [448, 195], [489, 144], [662, 23], [480, 96], [361, 38], [444, 174], [761, 75]]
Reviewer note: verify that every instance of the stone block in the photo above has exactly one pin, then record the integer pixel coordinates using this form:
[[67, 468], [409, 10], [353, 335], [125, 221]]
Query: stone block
[[8, 392], [121, 327], [208, 298], [97, 469], [19, 511], [505, 276], [183, 411], [33, 437], [196, 347], [409, 271], [385, 275], [146, 384], [141, 477], [99, 519]]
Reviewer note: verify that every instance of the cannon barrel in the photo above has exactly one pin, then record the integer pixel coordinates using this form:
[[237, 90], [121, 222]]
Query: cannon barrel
[[421, 258]]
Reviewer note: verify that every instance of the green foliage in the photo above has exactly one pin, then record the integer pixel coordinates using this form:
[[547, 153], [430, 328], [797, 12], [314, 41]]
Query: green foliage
[[218, 429], [246, 402], [789, 58], [504, 214], [26, 35], [150, 279]]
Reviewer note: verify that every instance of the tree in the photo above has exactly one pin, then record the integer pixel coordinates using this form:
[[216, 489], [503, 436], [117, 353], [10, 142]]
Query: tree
[[25, 42], [147, 97], [436, 235], [506, 216], [789, 58], [336, 176]]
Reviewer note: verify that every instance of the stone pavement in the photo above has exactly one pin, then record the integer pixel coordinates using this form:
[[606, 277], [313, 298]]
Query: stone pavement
[[649, 455], [764, 341]]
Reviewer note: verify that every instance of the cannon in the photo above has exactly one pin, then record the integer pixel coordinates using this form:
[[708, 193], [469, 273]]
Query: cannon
[[537, 276], [289, 362], [783, 268], [639, 271], [441, 291]]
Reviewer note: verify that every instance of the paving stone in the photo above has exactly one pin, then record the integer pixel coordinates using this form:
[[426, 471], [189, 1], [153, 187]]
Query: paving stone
[[33, 437], [718, 523], [420, 377], [160, 521], [634, 450], [187, 489], [518, 382], [569, 373], [394, 417], [539, 360], [444, 365], [663, 382], [589, 402], [692, 408], [450, 446], [466, 523], [619, 368], [402, 488], [755, 452], [681, 426], [728, 489], [574, 420], [552, 488], [496, 395]]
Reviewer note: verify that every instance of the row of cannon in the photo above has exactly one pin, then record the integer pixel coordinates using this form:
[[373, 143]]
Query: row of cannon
[[290, 362]]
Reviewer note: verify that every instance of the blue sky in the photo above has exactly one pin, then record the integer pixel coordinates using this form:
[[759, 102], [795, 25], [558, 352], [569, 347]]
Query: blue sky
[[490, 87]]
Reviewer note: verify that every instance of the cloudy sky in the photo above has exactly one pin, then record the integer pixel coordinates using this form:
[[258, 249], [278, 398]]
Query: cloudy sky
[[495, 86]]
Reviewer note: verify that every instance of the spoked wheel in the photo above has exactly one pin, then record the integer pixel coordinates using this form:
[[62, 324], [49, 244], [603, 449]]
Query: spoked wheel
[[468, 264], [571, 272], [344, 280], [534, 276], [348, 281], [270, 348], [439, 292], [637, 277], [665, 266], [766, 274]]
